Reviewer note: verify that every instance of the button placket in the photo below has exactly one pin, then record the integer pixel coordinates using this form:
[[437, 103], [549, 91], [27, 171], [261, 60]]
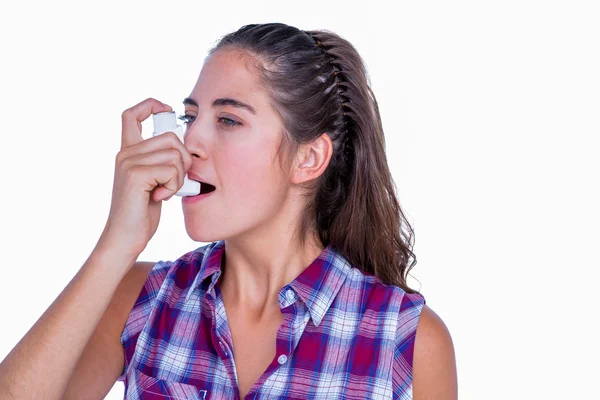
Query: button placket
[[221, 326], [290, 315]]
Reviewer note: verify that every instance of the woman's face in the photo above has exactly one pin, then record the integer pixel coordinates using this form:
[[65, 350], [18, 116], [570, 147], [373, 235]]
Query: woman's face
[[234, 149]]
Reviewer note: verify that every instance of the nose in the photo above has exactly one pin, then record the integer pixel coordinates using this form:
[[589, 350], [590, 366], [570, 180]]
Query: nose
[[193, 141]]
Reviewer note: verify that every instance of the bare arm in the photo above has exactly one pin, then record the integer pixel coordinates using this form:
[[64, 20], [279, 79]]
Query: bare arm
[[434, 365], [102, 360], [41, 364]]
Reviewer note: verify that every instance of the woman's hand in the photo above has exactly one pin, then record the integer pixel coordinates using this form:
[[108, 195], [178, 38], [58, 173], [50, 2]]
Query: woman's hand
[[146, 173]]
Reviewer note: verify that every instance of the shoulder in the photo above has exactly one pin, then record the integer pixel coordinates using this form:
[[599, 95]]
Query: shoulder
[[434, 365], [151, 275], [180, 272], [142, 286], [148, 279]]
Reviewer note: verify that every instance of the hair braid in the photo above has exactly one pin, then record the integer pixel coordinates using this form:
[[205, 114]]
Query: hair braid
[[334, 191], [340, 86]]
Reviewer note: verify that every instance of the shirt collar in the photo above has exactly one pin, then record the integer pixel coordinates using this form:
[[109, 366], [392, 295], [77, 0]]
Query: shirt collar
[[209, 267], [317, 286], [320, 282]]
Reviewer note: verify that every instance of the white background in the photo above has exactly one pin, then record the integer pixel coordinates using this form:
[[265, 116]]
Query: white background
[[491, 117]]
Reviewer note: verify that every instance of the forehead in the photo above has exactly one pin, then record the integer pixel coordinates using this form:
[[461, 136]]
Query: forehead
[[228, 73]]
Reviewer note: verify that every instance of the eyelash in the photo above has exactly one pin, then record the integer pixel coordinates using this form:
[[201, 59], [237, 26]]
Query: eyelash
[[188, 119]]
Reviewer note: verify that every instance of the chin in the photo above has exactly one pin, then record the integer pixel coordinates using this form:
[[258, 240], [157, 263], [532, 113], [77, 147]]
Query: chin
[[202, 234], [199, 231]]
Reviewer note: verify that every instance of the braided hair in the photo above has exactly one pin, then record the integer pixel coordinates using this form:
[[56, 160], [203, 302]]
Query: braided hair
[[338, 75], [332, 199]]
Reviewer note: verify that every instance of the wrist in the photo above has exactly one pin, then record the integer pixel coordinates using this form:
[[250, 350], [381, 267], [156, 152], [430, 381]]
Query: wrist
[[114, 254]]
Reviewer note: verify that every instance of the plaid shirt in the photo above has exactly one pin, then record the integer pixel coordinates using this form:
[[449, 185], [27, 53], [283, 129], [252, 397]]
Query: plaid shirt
[[345, 335]]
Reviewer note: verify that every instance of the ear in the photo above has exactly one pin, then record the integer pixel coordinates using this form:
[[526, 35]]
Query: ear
[[312, 159]]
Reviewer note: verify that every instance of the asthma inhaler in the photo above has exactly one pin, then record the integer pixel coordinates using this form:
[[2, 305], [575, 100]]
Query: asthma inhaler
[[167, 122]]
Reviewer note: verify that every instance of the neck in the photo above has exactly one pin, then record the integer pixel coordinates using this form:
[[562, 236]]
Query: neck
[[254, 272]]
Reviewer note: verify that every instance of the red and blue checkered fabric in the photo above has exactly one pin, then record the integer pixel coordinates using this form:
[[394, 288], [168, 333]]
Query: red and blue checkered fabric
[[345, 335]]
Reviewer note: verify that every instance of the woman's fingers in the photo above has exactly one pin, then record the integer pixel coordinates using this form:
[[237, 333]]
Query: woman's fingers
[[163, 157], [132, 118], [168, 140]]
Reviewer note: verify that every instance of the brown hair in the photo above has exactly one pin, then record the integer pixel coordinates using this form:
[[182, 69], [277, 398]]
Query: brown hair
[[318, 84]]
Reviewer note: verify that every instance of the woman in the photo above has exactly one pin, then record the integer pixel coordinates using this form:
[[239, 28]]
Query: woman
[[301, 292]]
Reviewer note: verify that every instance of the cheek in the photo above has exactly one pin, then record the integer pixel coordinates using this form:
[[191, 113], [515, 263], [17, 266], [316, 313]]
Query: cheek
[[245, 166], [250, 167]]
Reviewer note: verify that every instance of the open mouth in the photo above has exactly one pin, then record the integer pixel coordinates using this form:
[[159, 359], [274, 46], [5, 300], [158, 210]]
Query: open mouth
[[206, 187]]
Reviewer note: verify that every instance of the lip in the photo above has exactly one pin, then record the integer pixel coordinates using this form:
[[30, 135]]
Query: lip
[[195, 199]]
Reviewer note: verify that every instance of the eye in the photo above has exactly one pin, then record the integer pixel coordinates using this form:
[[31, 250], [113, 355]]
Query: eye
[[187, 119], [228, 122]]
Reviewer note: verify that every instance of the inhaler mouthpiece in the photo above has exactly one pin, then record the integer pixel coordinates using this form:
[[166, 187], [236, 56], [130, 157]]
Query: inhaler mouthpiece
[[167, 122]]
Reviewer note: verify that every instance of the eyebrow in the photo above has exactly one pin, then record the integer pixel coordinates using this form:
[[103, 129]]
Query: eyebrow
[[223, 102]]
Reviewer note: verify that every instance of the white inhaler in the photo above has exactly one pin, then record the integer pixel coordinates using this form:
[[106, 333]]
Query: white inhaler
[[167, 122]]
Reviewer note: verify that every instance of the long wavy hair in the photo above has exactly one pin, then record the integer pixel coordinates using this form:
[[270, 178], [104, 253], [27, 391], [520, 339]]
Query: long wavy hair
[[317, 83]]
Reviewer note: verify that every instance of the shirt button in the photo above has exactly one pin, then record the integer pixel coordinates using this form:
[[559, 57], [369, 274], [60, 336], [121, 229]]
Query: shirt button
[[282, 359], [290, 295]]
